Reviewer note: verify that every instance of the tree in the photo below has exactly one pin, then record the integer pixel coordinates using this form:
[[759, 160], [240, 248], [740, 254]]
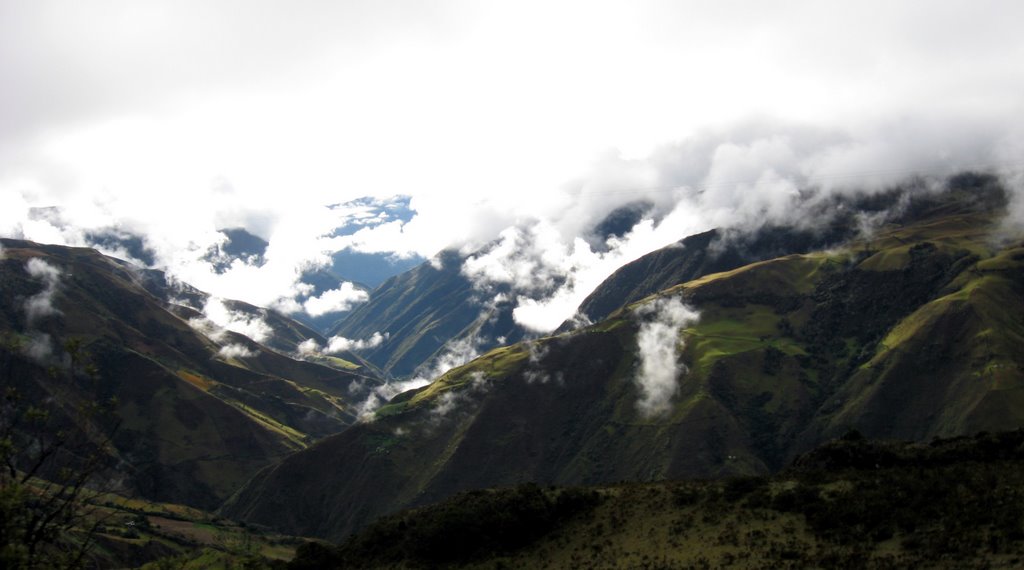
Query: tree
[[55, 436]]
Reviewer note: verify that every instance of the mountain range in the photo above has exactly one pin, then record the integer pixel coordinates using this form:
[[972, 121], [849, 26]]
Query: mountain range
[[912, 331], [729, 353]]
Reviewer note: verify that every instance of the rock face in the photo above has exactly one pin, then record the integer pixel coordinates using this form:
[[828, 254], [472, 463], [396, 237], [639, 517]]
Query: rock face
[[913, 333]]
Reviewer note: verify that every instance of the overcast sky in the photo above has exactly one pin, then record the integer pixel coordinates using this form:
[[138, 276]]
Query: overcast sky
[[177, 118]]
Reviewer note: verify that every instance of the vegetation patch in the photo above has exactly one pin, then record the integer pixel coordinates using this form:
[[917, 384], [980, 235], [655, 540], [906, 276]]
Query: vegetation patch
[[852, 503], [471, 526], [197, 380]]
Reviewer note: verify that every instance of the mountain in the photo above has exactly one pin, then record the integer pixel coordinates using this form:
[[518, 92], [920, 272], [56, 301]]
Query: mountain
[[200, 408], [836, 221], [424, 312], [434, 314], [911, 333]]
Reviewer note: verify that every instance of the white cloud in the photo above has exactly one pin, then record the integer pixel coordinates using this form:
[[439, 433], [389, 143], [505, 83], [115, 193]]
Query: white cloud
[[41, 304], [381, 394], [454, 353], [337, 344], [335, 300], [235, 350], [218, 319], [659, 346], [308, 347], [39, 347]]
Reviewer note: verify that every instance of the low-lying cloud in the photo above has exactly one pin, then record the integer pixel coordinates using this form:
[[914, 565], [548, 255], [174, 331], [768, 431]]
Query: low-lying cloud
[[658, 348], [335, 300], [218, 319], [38, 347], [455, 353], [42, 303], [381, 394], [338, 344], [235, 350]]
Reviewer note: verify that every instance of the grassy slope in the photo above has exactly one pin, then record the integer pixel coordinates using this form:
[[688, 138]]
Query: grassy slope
[[195, 425], [138, 533]]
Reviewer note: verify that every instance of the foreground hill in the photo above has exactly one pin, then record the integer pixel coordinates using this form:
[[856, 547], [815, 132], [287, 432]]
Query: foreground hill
[[852, 503], [200, 409], [911, 334]]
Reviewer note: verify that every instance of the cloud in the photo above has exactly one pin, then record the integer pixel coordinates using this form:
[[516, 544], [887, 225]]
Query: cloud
[[308, 347], [235, 350], [337, 344], [335, 300], [455, 353], [41, 304], [39, 347], [451, 400], [740, 177], [218, 318], [658, 346], [381, 394]]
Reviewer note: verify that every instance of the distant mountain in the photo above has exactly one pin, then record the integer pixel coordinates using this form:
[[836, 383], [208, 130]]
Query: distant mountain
[[201, 408], [424, 312], [912, 333]]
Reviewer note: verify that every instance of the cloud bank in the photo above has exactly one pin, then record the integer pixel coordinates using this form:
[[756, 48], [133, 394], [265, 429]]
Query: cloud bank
[[279, 119]]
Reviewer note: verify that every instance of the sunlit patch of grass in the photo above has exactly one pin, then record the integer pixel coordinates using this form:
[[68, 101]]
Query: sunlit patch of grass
[[197, 380]]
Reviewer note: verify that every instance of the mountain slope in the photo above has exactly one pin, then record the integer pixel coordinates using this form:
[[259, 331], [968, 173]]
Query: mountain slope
[[786, 353], [201, 409], [423, 310], [838, 220]]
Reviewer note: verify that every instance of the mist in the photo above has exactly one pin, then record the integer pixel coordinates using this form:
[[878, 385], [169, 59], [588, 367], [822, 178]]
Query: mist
[[42, 303], [658, 349]]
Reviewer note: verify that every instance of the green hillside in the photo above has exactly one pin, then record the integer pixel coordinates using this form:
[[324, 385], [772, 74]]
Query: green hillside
[[911, 334], [195, 422]]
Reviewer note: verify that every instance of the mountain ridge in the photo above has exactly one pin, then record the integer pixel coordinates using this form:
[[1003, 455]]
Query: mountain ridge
[[201, 408]]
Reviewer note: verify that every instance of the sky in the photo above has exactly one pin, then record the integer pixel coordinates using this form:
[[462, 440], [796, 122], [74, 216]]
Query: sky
[[521, 124]]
